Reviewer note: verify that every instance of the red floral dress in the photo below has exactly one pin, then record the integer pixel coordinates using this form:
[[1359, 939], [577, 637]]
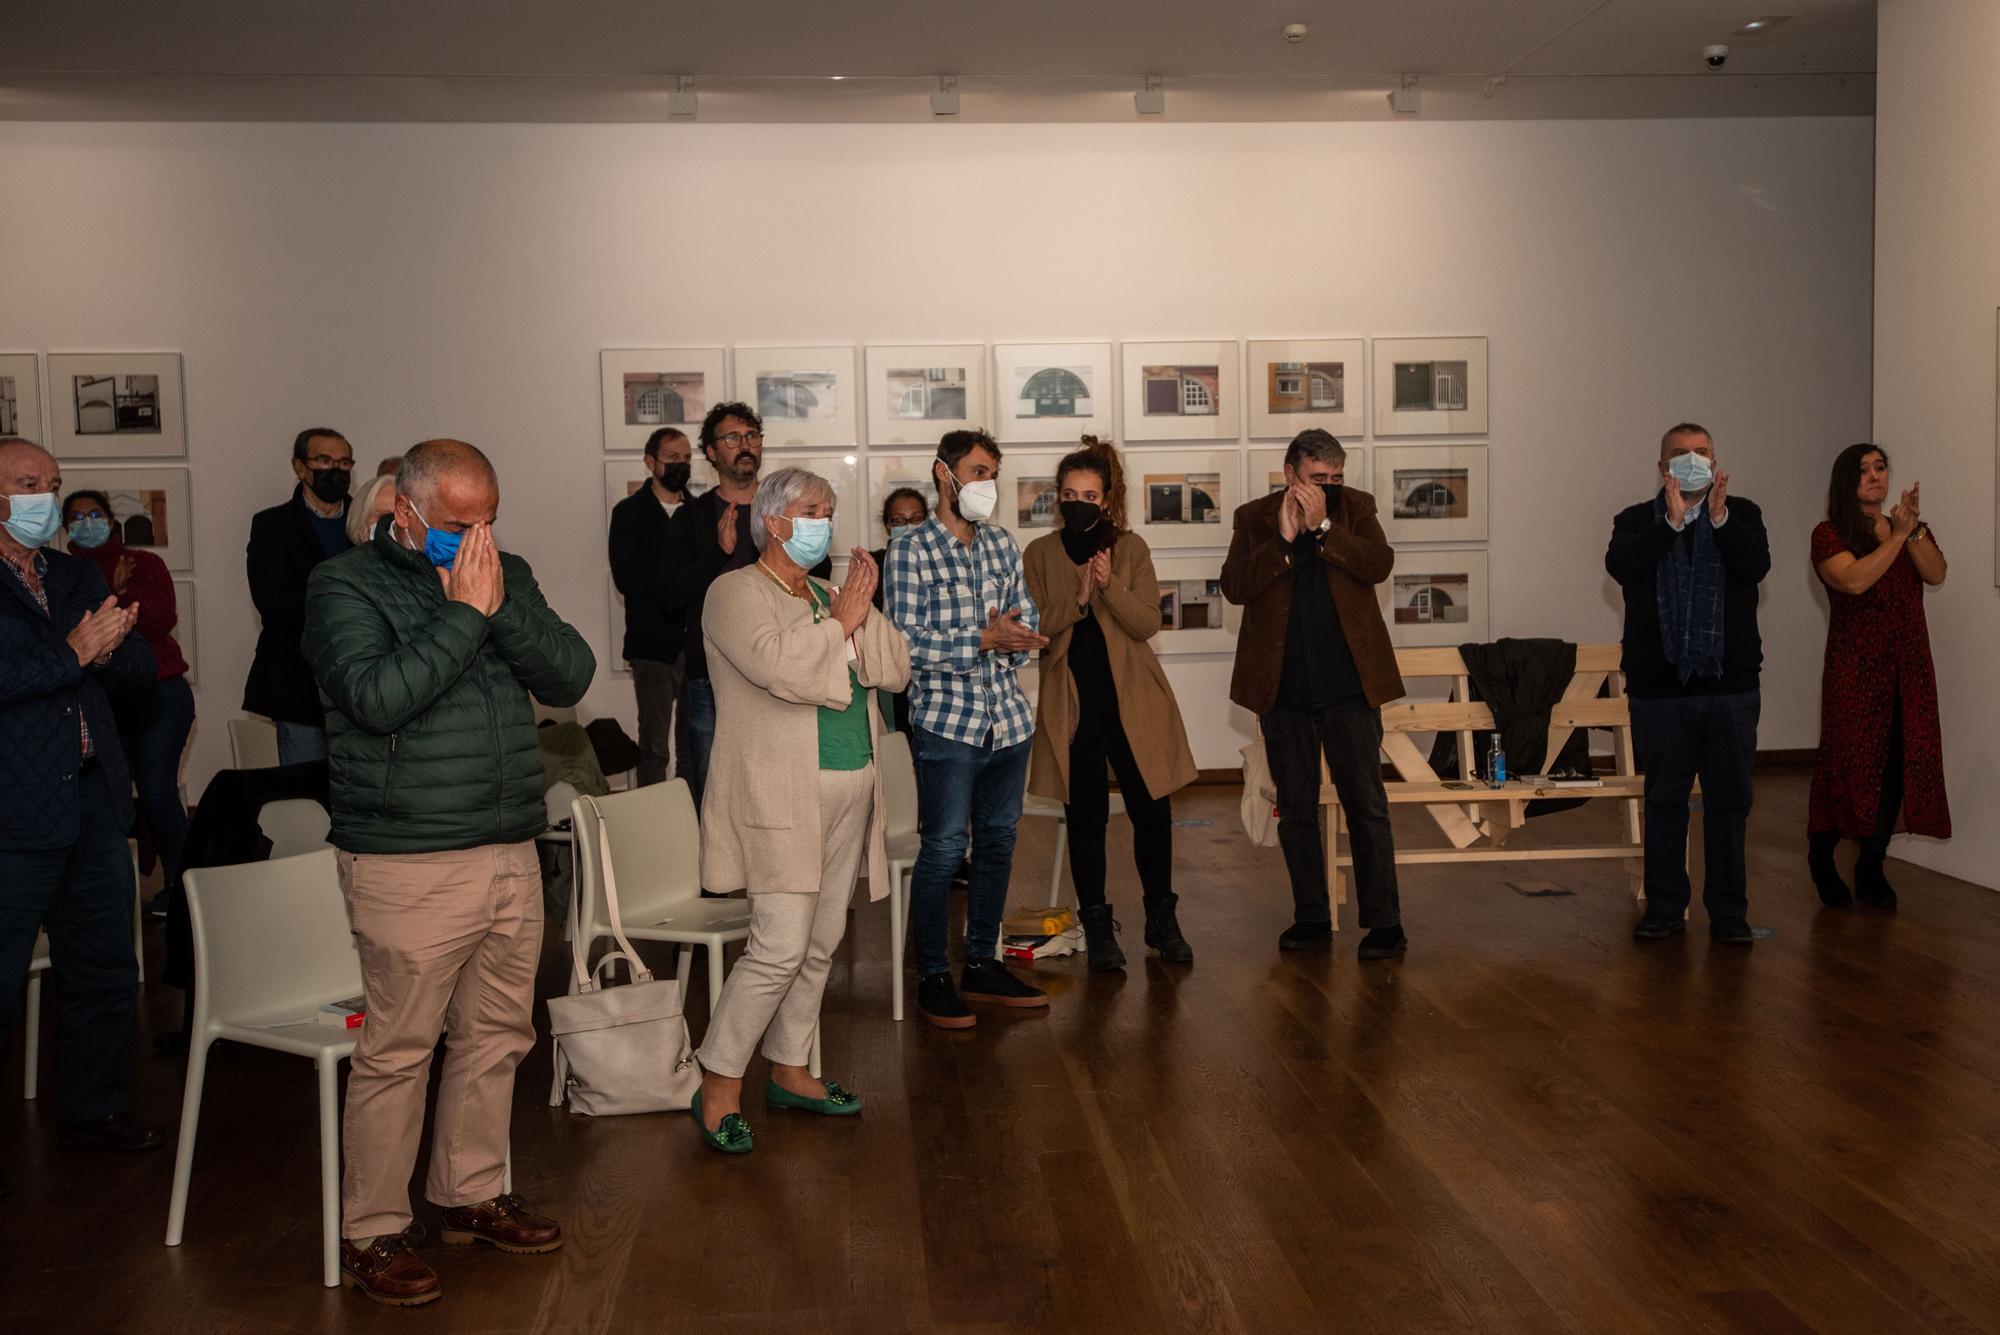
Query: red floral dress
[[1878, 660]]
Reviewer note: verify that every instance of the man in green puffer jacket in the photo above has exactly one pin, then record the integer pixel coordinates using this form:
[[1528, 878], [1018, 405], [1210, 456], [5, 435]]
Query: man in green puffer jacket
[[427, 644]]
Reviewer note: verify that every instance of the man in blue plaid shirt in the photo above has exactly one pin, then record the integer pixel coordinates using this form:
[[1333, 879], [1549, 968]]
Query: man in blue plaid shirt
[[955, 588]]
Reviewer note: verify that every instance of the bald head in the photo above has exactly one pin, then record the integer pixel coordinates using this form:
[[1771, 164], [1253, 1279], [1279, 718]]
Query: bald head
[[446, 484], [16, 450], [26, 469]]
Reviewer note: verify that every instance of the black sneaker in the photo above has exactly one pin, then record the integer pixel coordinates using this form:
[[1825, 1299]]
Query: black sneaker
[[1302, 934], [988, 980], [1383, 943], [118, 1131], [938, 1002], [156, 907], [1658, 926], [1731, 931]]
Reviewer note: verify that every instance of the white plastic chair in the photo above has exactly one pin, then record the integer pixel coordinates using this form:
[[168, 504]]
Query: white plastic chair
[[253, 743], [1048, 807], [295, 825], [899, 830], [39, 963], [656, 852], [271, 946]]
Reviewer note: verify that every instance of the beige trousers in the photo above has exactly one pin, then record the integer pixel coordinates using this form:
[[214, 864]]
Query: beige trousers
[[774, 990], [446, 940]]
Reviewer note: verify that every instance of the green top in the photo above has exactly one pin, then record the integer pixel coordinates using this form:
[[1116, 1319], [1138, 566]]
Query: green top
[[843, 733]]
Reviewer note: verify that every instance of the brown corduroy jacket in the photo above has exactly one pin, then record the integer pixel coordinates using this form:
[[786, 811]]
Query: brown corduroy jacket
[[1257, 576]]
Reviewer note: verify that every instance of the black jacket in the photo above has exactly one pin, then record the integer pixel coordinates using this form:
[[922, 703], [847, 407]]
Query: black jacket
[[1639, 541], [693, 561], [638, 547], [282, 553], [43, 690]]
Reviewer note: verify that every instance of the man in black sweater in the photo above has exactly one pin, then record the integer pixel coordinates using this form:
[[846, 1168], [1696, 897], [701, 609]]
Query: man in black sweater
[[653, 634], [1689, 561]]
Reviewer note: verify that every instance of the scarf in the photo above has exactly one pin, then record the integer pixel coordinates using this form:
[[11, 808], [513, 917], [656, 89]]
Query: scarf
[[1688, 585]]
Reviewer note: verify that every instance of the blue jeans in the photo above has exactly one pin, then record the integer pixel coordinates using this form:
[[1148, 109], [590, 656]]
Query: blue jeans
[[698, 709], [300, 742], [960, 786], [83, 892], [1676, 739], [154, 750]]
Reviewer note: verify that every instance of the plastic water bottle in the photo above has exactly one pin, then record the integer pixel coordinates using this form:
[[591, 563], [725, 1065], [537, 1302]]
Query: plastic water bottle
[[1496, 763]]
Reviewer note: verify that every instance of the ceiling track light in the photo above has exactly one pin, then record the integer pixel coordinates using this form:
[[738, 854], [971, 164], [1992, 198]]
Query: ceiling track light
[[1406, 100], [944, 102], [682, 103], [1152, 100]]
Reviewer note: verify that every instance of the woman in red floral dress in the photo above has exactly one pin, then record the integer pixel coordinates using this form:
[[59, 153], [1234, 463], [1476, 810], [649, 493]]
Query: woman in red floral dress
[[1881, 761]]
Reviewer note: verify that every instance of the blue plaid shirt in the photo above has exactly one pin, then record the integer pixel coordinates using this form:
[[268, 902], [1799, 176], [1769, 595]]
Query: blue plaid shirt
[[941, 594]]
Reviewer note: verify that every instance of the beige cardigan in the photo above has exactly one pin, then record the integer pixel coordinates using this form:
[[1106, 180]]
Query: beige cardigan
[[772, 668]]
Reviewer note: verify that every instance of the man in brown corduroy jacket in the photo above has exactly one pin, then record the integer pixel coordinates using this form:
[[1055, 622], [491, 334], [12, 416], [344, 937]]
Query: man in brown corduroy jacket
[[1314, 663]]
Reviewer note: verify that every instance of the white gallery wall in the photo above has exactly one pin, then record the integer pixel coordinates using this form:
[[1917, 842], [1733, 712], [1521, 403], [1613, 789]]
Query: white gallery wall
[[1937, 296], [400, 281]]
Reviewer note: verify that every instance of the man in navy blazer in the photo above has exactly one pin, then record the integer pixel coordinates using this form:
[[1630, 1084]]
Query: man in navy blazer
[[63, 861]]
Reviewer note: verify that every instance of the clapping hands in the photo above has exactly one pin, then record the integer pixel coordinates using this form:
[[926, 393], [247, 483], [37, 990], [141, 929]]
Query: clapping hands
[[475, 578], [1093, 575], [853, 600], [101, 631]]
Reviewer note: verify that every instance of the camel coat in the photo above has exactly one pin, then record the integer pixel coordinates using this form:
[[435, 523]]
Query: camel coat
[[772, 669], [1129, 614]]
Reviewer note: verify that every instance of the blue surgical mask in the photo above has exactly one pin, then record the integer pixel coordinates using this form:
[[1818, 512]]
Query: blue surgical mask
[[1692, 471], [33, 519], [902, 530], [92, 532], [440, 548], [810, 541]]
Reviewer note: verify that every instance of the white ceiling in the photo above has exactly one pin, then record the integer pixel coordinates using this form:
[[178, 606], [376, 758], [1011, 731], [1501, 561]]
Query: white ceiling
[[512, 60]]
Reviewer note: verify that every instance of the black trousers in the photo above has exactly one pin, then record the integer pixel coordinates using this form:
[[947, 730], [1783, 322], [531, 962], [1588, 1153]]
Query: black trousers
[[1100, 742], [1349, 735], [1676, 739]]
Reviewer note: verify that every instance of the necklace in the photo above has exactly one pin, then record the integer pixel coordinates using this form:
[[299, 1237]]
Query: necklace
[[779, 580]]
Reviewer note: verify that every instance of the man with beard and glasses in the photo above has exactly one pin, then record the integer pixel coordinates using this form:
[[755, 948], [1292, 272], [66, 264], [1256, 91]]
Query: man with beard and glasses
[[708, 537], [286, 542], [654, 636]]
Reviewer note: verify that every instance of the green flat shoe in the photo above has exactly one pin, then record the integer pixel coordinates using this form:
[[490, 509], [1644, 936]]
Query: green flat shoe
[[732, 1136], [837, 1103]]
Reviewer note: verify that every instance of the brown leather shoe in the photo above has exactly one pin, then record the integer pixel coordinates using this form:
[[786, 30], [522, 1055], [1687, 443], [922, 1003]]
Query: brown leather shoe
[[388, 1271], [504, 1222]]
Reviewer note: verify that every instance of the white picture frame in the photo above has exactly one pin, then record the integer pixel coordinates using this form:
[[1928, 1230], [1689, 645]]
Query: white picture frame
[[1447, 399], [1265, 467], [919, 391], [1183, 390], [1433, 493], [625, 474], [644, 389], [1423, 597], [1191, 589], [1296, 383], [186, 630], [1183, 498], [890, 470], [849, 497], [115, 405], [1028, 494], [615, 651], [1054, 393], [21, 395], [807, 396], [152, 507]]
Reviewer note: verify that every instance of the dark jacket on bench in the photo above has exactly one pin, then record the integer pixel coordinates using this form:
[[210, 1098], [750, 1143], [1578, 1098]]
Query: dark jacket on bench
[[1640, 540]]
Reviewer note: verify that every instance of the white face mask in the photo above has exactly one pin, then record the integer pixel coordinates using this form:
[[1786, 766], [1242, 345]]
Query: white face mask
[[977, 500], [1692, 471]]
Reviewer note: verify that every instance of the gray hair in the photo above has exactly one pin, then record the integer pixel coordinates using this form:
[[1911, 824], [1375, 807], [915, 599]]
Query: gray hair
[[780, 492], [359, 526], [428, 462], [1317, 444]]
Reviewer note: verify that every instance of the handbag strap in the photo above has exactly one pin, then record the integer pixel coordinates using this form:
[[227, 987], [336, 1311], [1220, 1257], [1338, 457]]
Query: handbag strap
[[608, 879]]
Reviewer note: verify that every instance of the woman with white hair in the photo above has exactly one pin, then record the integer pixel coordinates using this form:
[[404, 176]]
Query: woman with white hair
[[793, 796], [376, 498]]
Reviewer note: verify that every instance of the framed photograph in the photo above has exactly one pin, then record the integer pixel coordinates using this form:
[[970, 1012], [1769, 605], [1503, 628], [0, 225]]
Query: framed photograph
[[184, 628], [1194, 616], [645, 389], [917, 393], [20, 396], [1028, 505], [116, 405], [1297, 383], [1430, 386], [622, 477], [149, 506], [1267, 471], [1182, 391], [1433, 493], [1052, 392], [892, 472], [806, 396], [852, 525], [1436, 597], [1183, 498]]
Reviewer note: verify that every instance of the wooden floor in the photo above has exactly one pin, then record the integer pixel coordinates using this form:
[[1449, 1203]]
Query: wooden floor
[[1527, 1124]]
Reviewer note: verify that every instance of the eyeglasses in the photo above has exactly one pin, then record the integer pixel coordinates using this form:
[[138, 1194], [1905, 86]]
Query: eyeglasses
[[92, 513], [328, 461], [736, 438]]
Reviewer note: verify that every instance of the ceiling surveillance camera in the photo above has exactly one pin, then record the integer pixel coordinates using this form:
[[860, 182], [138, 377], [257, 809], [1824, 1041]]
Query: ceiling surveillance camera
[[1717, 56], [1294, 33]]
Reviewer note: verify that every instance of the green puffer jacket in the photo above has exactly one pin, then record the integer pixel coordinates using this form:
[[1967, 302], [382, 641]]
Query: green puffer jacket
[[430, 732]]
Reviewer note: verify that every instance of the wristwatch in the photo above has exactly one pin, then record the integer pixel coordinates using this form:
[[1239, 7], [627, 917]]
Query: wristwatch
[[1920, 532], [1325, 527]]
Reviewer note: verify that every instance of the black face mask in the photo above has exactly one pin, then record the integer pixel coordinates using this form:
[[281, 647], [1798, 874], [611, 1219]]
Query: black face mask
[[1081, 516], [674, 477], [330, 484], [1332, 493]]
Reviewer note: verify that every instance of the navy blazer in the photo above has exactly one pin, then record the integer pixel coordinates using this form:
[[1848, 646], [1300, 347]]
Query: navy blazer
[[42, 688], [280, 558]]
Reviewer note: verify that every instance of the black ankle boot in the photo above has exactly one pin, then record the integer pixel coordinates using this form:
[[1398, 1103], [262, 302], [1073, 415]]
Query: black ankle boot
[[1833, 891], [1871, 887], [1100, 939], [1163, 931]]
